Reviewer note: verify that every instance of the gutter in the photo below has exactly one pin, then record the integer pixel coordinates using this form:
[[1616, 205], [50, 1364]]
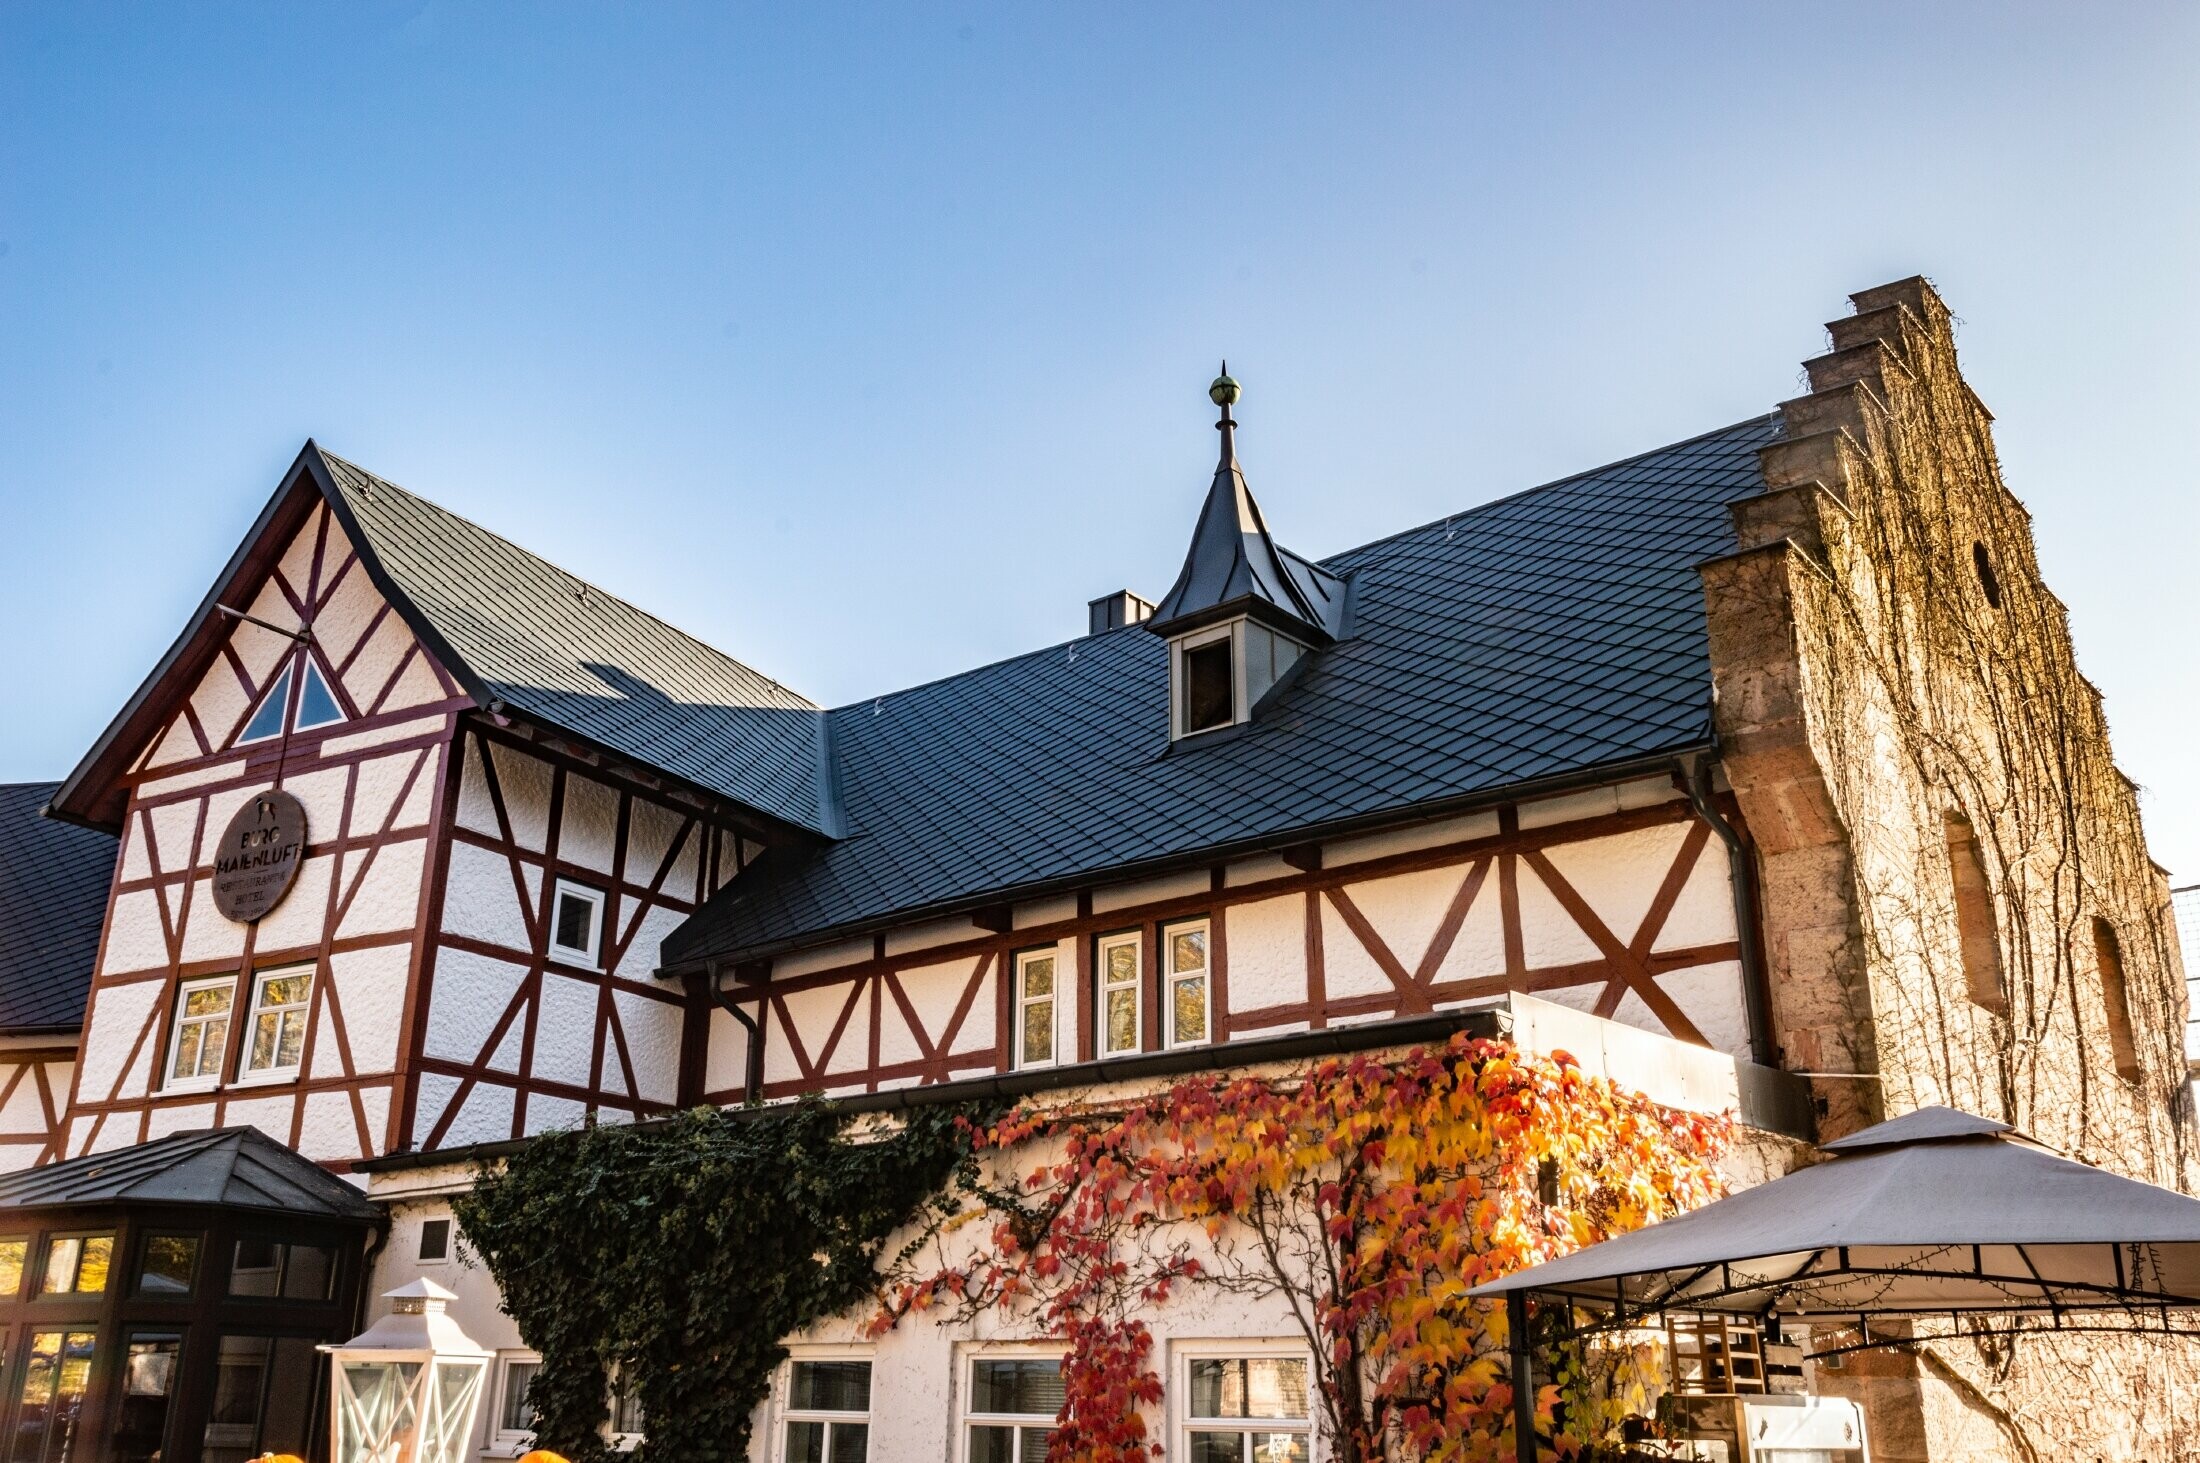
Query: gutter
[[1695, 780], [1481, 1021], [1389, 819]]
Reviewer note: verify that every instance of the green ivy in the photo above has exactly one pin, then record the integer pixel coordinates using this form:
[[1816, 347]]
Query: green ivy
[[682, 1253]]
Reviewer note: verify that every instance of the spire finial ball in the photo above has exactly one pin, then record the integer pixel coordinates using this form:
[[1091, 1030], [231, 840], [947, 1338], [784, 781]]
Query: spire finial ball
[[1224, 392]]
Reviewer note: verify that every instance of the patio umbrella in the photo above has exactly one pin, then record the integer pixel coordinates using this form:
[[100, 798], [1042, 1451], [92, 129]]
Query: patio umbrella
[[1937, 1213]]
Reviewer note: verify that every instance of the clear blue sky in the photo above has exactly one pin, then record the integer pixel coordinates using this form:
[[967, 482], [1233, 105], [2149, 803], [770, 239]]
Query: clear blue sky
[[870, 342]]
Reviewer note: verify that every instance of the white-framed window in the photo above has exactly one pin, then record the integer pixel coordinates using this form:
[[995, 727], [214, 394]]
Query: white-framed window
[[435, 1241], [276, 1029], [1243, 1402], [1218, 675], [1122, 983], [512, 1424], [200, 1041], [1037, 1001], [825, 1416], [1187, 1011], [576, 923], [1012, 1404]]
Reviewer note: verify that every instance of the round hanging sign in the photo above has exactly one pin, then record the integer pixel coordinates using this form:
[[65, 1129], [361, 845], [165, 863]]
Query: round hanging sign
[[257, 860]]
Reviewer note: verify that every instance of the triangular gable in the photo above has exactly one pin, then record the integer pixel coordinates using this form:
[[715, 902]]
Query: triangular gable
[[302, 563]]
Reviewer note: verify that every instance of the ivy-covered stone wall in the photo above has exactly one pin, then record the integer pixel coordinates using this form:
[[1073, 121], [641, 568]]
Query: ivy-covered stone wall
[[1958, 901]]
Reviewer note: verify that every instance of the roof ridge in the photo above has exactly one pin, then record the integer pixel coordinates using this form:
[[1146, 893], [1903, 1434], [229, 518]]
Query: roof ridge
[[1543, 487], [1322, 564], [589, 584]]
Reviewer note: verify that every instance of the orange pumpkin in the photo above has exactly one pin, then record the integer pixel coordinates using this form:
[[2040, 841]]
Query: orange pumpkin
[[541, 1455]]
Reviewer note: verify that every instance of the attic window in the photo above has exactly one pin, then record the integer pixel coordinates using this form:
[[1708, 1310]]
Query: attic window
[[316, 706], [1219, 675]]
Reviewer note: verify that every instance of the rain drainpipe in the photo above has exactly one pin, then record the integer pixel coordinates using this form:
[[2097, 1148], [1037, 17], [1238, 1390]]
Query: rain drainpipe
[[752, 1078], [1695, 780]]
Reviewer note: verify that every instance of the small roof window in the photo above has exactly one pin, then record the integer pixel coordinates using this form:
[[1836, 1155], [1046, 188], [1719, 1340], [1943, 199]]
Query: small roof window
[[316, 705]]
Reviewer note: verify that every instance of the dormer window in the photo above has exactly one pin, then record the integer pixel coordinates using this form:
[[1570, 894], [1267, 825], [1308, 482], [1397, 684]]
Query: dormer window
[[1244, 608], [1220, 674]]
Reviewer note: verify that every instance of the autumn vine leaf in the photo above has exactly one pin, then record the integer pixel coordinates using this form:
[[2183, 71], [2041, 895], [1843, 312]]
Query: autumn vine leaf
[[1366, 1196]]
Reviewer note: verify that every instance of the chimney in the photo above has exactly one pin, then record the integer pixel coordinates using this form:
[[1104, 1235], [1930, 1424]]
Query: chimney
[[1114, 611]]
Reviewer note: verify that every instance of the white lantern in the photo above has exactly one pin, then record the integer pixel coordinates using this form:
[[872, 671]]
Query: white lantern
[[406, 1389]]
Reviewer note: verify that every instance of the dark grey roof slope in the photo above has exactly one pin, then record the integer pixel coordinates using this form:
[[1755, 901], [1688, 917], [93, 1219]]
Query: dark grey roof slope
[[1236, 567], [564, 652], [513, 629], [53, 899], [239, 1168], [1543, 635]]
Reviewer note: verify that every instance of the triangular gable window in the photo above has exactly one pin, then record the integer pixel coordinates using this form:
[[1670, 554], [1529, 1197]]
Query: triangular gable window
[[268, 720], [316, 707]]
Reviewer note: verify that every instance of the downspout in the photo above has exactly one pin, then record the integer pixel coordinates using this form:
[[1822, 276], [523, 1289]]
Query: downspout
[[1695, 780], [752, 1079]]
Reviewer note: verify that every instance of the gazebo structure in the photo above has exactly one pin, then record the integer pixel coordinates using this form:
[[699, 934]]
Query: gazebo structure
[[1937, 1214]]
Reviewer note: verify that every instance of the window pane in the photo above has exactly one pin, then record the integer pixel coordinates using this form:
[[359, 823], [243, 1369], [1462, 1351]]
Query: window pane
[[576, 922], [831, 1386], [805, 1442], [1218, 1448], [306, 1272], [316, 706], [1039, 1031], [208, 1001], [1208, 694], [1039, 976], [1122, 1020], [1027, 1385], [851, 1442], [169, 1261], [1036, 1441], [290, 1044], [269, 719], [54, 1375], [517, 1416], [254, 1270], [1261, 1386], [1187, 950], [148, 1379], [1123, 963], [12, 1254], [1275, 1386], [993, 1445], [1190, 1004], [263, 1044], [61, 1258], [288, 990], [435, 1239]]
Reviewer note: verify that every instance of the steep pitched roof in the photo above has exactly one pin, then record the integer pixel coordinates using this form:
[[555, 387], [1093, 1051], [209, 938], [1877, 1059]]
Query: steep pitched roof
[[1538, 637], [236, 1168], [519, 634], [53, 899], [522, 631], [1235, 566]]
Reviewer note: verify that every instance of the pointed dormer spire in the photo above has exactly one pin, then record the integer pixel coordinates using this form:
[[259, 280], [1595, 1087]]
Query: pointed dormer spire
[[1235, 568]]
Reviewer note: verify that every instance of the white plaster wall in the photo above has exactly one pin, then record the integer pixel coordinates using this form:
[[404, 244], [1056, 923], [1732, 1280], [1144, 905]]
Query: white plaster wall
[[1267, 950], [470, 992]]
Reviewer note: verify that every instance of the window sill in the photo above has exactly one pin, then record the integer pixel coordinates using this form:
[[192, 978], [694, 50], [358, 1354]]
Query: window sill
[[275, 1078], [190, 1086]]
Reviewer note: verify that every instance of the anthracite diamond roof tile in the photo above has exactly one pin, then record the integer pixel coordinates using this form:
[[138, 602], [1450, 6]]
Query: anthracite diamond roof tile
[[1548, 633]]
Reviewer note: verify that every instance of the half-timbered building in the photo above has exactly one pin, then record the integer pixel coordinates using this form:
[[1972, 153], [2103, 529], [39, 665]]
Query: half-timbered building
[[414, 846]]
